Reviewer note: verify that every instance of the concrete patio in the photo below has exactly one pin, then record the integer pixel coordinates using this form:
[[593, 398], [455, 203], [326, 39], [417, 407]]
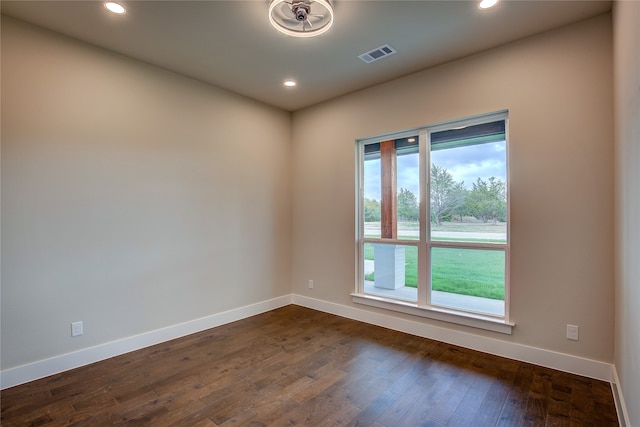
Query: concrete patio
[[447, 299]]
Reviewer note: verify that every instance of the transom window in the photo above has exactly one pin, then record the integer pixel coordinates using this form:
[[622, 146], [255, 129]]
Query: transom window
[[451, 254]]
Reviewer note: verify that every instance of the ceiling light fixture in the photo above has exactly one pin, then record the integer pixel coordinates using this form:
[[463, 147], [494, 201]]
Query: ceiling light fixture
[[115, 8], [290, 83], [301, 18], [486, 4]]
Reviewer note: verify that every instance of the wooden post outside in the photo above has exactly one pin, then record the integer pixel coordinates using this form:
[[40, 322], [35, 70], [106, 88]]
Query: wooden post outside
[[388, 204]]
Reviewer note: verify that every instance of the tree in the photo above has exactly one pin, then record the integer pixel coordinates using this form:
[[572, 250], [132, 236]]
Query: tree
[[459, 194], [407, 206], [371, 210], [447, 196], [487, 200]]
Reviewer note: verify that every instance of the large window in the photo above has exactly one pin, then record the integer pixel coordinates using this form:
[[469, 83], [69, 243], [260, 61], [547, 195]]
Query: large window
[[433, 219]]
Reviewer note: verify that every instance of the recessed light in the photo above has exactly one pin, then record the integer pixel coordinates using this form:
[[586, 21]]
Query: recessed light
[[290, 83], [486, 4], [115, 8]]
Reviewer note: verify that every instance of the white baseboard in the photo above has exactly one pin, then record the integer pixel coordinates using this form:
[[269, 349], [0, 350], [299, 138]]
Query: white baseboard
[[44, 368], [537, 356], [621, 407], [560, 361]]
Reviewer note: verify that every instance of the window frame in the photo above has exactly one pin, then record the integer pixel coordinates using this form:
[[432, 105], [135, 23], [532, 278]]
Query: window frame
[[423, 306]]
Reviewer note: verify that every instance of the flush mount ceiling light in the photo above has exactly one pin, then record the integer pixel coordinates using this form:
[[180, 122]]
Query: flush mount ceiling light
[[301, 18]]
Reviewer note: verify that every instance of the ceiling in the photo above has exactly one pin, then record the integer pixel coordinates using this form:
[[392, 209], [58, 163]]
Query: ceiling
[[232, 45]]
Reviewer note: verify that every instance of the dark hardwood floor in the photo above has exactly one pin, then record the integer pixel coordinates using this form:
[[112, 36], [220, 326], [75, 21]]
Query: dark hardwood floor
[[296, 366]]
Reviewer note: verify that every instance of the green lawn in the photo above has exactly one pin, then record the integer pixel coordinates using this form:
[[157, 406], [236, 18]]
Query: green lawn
[[461, 271], [476, 227]]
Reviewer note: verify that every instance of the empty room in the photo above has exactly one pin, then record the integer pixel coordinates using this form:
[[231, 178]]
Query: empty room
[[318, 213]]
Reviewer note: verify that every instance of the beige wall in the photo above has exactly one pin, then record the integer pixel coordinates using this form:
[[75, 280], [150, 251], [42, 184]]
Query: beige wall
[[132, 198], [557, 87], [627, 108]]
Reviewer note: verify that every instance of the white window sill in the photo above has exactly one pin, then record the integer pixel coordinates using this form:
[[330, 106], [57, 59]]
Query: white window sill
[[461, 318]]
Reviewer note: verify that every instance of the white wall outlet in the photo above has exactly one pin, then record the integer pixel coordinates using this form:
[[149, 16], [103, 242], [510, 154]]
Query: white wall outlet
[[310, 284], [572, 332], [77, 329]]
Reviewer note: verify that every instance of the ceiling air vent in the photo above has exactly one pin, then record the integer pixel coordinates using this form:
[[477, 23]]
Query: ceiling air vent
[[377, 53]]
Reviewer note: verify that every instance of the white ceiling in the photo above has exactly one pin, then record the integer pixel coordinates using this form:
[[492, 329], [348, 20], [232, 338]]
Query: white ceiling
[[231, 44]]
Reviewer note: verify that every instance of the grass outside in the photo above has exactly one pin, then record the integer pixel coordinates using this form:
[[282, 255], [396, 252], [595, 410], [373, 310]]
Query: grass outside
[[446, 231], [461, 271], [473, 227]]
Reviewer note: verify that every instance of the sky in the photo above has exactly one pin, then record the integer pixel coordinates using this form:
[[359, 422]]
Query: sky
[[465, 164]]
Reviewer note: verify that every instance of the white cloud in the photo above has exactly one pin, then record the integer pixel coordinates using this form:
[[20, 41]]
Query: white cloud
[[470, 163], [464, 163]]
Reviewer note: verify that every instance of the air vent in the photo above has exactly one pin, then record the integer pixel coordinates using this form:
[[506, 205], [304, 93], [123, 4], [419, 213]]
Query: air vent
[[377, 53]]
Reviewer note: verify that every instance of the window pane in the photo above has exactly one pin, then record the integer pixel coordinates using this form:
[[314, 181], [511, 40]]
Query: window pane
[[468, 279], [408, 196], [391, 271], [468, 190], [391, 189], [372, 197]]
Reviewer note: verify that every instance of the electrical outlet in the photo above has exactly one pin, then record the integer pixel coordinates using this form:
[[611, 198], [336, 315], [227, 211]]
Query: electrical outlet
[[310, 284], [572, 332], [77, 329]]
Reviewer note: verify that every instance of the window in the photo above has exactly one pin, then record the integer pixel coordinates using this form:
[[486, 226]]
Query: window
[[448, 257]]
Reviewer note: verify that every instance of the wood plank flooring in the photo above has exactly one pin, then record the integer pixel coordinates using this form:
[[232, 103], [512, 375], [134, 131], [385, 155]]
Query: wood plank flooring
[[299, 367]]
